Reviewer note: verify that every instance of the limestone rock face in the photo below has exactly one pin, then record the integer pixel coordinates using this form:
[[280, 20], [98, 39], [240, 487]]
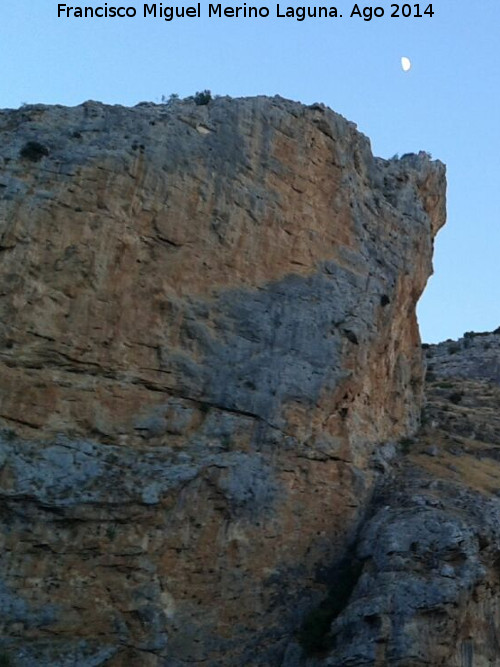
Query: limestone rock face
[[207, 326], [426, 590]]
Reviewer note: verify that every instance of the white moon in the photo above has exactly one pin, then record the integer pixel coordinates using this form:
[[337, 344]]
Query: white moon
[[405, 64]]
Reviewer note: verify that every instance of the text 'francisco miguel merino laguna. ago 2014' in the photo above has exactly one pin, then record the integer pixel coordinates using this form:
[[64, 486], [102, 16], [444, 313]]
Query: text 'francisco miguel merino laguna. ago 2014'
[[217, 10]]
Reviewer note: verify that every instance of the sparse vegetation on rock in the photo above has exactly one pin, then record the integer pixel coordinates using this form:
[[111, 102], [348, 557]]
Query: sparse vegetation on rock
[[202, 97]]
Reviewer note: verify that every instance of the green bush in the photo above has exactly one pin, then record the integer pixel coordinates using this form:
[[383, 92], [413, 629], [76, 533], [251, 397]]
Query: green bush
[[444, 385], [173, 97], [202, 97], [34, 151], [110, 534], [475, 334]]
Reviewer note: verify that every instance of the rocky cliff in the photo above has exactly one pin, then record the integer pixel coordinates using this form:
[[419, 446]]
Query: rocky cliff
[[207, 334], [427, 584]]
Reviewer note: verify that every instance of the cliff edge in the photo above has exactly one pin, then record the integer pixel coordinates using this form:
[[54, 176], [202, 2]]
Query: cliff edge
[[207, 331]]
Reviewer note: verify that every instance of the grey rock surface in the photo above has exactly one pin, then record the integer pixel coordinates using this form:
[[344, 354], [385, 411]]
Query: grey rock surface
[[425, 590]]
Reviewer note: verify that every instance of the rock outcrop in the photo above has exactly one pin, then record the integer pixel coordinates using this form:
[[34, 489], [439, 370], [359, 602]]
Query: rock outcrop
[[207, 332], [427, 582]]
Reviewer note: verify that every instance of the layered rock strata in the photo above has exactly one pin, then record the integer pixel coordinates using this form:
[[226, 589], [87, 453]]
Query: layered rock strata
[[426, 584], [207, 328]]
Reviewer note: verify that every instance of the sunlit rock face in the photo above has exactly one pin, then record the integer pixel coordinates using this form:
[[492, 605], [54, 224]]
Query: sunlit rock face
[[207, 328]]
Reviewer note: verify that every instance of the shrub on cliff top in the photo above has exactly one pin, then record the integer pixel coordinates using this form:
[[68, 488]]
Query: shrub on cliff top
[[202, 97], [173, 97]]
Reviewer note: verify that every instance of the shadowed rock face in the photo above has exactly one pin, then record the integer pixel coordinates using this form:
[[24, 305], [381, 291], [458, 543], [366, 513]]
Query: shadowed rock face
[[207, 325]]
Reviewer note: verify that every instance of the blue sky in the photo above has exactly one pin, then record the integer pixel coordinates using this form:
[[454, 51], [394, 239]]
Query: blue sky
[[448, 104]]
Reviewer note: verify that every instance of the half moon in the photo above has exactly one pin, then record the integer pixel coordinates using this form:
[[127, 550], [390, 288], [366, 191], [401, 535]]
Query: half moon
[[405, 64]]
